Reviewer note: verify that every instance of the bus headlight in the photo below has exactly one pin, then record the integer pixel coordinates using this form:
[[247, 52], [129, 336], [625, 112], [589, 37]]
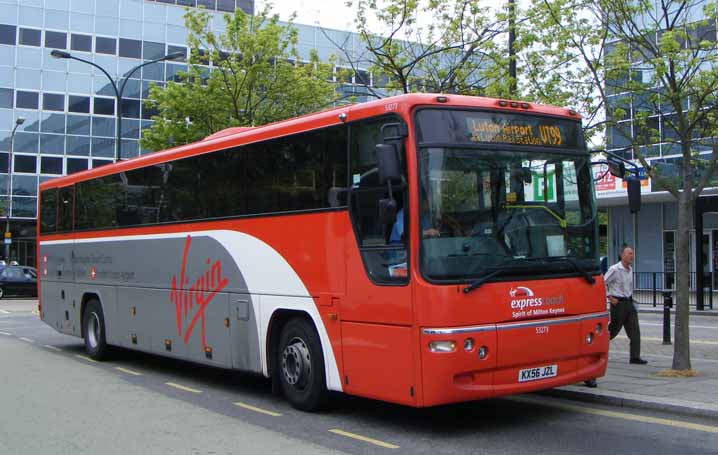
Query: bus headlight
[[599, 328], [442, 346], [589, 338]]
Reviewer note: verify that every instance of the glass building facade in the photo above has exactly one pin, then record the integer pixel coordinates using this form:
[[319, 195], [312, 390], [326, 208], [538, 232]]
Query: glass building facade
[[69, 107], [653, 231]]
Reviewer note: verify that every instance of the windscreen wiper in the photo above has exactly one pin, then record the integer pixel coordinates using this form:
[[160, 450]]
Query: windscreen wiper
[[590, 279], [479, 281]]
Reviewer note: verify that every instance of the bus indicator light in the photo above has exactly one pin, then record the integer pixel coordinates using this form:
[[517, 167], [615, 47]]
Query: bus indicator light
[[468, 344], [483, 351]]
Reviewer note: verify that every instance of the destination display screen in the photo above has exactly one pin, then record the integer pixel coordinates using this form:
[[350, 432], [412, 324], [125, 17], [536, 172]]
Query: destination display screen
[[454, 126]]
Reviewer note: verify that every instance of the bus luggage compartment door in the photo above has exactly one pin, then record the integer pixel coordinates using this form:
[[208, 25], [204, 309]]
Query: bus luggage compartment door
[[543, 351]]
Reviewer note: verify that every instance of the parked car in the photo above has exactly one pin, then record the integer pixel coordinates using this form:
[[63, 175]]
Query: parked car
[[18, 280]]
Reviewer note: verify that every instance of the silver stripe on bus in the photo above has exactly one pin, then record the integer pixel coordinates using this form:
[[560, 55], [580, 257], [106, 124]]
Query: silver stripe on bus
[[492, 327], [544, 322], [460, 330]]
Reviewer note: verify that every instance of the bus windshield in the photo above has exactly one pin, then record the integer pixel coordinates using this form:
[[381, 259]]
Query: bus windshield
[[530, 210]]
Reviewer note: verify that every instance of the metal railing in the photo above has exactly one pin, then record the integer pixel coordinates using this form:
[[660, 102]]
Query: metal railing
[[650, 288]]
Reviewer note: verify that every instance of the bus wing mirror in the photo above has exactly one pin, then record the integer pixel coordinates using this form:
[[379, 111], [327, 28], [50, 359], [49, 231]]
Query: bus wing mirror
[[388, 163], [633, 186]]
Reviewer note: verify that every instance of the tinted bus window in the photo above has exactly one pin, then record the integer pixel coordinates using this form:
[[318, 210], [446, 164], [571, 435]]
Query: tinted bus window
[[300, 172], [65, 207], [296, 173], [97, 202], [48, 211]]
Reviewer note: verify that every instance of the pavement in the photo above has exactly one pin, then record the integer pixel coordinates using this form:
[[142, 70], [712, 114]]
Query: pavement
[[638, 386]]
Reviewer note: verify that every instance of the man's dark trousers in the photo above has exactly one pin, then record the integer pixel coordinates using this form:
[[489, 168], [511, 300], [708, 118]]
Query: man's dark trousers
[[624, 314]]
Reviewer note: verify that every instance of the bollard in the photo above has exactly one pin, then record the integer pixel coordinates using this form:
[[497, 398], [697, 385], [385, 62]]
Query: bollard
[[667, 305]]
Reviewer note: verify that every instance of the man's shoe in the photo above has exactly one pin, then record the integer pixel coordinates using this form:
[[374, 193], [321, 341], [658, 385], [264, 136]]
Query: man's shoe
[[638, 361], [591, 383]]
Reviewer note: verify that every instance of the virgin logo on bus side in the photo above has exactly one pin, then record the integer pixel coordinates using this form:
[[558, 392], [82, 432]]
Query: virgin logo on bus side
[[191, 302]]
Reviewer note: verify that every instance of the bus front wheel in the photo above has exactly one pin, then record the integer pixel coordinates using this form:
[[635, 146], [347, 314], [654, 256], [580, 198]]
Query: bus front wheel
[[94, 330], [300, 365]]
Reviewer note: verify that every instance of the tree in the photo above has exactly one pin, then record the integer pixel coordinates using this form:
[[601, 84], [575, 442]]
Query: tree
[[657, 58], [454, 52], [256, 78]]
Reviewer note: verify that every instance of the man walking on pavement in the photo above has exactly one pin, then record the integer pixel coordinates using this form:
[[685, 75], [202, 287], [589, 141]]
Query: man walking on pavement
[[619, 289]]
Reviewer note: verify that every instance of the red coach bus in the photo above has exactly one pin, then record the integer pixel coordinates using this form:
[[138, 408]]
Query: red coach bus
[[420, 249]]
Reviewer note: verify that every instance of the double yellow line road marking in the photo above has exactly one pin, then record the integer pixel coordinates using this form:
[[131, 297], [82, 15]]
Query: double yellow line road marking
[[621, 415]]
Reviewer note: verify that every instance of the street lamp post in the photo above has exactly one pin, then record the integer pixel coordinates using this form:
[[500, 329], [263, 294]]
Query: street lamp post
[[19, 121], [56, 53]]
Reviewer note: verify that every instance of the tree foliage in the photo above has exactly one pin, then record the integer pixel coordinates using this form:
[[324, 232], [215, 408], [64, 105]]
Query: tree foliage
[[456, 51], [256, 77], [654, 60]]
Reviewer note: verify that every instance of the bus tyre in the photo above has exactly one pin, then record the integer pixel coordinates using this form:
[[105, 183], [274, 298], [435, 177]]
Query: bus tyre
[[94, 330], [300, 366]]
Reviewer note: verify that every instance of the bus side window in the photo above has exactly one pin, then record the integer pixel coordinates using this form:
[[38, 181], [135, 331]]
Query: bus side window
[[66, 206], [382, 246]]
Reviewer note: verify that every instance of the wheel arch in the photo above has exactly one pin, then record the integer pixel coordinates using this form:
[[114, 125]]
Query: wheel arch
[[280, 317], [86, 297]]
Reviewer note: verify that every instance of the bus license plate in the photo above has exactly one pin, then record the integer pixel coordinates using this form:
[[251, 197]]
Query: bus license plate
[[532, 374]]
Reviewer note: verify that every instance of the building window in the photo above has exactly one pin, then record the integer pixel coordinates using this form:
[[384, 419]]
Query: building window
[[79, 104], [7, 34], [225, 5], [130, 108], [52, 144], [53, 123], [27, 100], [209, 4], [104, 106], [105, 45], [51, 165], [78, 124], [30, 37], [98, 163], [53, 102], [82, 43], [78, 145], [24, 163], [6, 98], [172, 49], [152, 51], [3, 168], [130, 48], [103, 126], [76, 165], [55, 40], [24, 207]]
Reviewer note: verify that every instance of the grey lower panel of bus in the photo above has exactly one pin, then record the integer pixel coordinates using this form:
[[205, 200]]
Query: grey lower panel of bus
[[186, 298]]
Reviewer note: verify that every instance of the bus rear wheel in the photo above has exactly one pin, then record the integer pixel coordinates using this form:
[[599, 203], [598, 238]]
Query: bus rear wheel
[[300, 366], [94, 330]]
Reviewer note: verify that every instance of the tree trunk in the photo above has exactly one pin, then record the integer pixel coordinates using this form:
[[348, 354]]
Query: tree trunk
[[681, 347]]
